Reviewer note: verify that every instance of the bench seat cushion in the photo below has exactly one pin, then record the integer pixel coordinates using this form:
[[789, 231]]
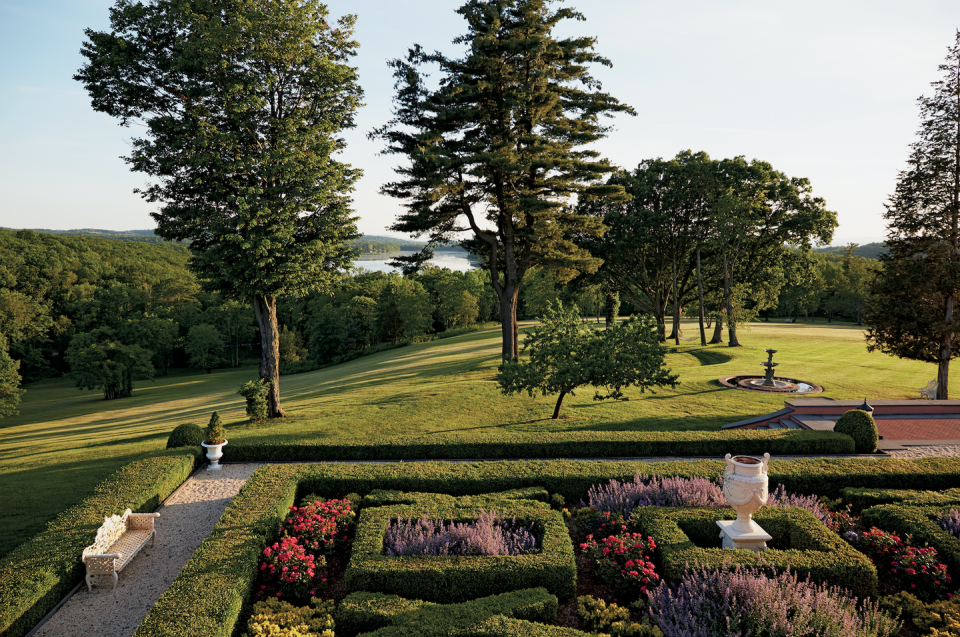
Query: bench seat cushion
[[128, 545]]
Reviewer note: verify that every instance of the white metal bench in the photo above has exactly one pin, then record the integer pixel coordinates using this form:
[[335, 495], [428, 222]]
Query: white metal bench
[[118, 541], [930, 391]]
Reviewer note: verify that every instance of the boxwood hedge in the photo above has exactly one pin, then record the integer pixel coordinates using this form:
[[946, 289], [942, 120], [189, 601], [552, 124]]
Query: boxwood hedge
[[449, 579], [382, 615], [800, 542], [862, 499], [567, 444], [36, 575]]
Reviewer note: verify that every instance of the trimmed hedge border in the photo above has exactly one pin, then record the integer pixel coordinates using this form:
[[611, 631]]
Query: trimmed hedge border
[[865, 498], [377, 614], [207, 598], [568, 444], [921, 523], [451, 579], [812, 549], [36, 575]]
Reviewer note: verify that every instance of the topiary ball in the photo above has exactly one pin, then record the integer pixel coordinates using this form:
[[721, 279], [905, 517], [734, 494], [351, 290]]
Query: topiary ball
[[186, 435], [860, 426]]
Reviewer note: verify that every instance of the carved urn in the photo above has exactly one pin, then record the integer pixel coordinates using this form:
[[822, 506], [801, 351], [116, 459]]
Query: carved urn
[[746, 488]]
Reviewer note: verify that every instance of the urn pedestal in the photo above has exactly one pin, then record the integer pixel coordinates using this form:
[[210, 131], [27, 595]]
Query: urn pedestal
[[214, 453], [746, 488]]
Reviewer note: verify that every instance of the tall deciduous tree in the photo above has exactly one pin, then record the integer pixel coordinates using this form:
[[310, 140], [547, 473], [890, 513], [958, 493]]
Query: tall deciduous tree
[[243, 103], [498, 148], [913, 315]]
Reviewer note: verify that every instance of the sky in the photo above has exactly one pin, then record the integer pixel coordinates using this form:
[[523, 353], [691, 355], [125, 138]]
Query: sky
[[823, 89]]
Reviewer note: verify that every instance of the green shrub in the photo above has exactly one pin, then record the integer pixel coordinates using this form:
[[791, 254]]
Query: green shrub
[[185, 435], [456, 579], [36, 575], [612, 620], [941, 619], [803, 544], [568, 444], [256, 392], [383, 615], [215, 433], [860, 426], [317, 618]]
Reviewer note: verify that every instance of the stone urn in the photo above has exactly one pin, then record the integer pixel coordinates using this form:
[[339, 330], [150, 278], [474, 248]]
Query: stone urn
[[746, 488], [214, 453]]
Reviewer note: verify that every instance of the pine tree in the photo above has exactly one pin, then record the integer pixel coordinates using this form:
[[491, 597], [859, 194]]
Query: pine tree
[[497, 148], [244, 103], [915, 296]]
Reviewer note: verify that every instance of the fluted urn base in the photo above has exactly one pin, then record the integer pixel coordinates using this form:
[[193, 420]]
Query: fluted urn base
[[754, 540]]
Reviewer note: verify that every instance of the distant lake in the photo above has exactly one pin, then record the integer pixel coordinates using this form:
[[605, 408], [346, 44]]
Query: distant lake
[[457, 261]]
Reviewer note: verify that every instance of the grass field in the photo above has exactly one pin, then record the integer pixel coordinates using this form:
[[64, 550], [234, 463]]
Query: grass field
[[65, 441]]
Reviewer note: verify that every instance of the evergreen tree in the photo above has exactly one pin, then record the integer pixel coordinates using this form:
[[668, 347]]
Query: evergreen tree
[[916, 292], [244, 103], [498, 146]]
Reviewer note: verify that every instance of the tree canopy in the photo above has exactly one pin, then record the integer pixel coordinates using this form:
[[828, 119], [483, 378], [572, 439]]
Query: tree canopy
[[565, 353], [497, 148], [243, 105], [913, 315]]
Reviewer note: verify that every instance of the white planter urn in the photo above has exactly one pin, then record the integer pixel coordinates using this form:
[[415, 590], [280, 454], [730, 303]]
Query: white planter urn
[[746, 488], [214, 453]]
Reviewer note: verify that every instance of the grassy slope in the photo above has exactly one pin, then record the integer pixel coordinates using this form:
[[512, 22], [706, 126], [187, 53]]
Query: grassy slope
[[65, 441]]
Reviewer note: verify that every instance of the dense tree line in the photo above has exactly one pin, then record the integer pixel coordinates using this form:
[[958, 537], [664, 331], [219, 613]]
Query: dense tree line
[[109, 313]]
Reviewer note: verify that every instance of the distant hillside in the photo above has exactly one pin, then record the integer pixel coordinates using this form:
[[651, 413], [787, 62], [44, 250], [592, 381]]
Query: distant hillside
[[143, 236], [367, 244], [868, 251]]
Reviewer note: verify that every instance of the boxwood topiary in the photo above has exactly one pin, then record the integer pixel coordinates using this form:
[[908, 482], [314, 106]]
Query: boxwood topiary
[[860, 426], [186, 435]]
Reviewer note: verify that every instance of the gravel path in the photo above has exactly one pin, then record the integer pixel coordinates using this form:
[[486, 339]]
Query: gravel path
[[186, 519]]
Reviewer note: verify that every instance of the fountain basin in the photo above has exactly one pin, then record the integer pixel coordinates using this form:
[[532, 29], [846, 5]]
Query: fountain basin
[[754, 382]]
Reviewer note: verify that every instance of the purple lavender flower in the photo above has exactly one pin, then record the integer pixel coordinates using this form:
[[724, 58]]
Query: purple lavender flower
[[487, 535], [950, 522], [780, 497], [621, 497], [747, 602]]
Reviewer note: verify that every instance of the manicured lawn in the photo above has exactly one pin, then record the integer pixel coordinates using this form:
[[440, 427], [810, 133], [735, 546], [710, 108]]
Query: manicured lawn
[[65, 441]]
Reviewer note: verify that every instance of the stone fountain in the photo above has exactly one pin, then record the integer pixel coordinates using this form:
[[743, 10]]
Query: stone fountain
[[746, 488], [768, 382]]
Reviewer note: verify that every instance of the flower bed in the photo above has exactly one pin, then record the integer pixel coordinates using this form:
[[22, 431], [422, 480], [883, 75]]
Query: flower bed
[[218, 583]]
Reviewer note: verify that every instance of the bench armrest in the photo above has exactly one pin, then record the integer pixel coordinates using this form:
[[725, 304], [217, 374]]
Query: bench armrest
[[115, 556]]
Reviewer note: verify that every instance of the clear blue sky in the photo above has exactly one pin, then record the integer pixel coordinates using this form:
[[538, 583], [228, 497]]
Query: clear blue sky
[[824, 89]]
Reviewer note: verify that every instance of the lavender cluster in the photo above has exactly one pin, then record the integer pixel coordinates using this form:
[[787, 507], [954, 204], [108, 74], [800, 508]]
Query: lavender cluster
[[950, 522], [622, 497], [780, 497], [747, 602], [487, 535]]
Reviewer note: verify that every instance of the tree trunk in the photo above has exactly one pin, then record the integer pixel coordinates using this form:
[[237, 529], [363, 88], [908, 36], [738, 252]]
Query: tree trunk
[[703, 333], [508, 324], [946, 351], [717, 330], [728, 300], [556, 410], [676, 309], [265, 308]]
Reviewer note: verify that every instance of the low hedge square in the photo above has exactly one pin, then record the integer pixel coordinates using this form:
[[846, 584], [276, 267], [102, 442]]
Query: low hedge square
[[800, 542], [450, 579], [921, 523]]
